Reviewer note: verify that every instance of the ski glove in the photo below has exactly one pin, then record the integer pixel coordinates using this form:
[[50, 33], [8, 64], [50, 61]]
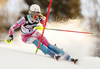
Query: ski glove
[[10, 38]]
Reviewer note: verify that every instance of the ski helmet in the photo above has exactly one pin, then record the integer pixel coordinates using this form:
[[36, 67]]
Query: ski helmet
[[34, 9]]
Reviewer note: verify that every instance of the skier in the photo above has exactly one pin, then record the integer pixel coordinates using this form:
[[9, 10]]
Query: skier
[[31, 36]]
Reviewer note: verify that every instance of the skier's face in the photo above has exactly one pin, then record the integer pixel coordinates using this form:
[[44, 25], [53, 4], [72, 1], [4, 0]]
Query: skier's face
[[35, 16]]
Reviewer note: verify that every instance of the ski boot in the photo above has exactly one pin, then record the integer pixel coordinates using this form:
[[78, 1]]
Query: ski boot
[[73, 60], [57, 57], [68, 58]]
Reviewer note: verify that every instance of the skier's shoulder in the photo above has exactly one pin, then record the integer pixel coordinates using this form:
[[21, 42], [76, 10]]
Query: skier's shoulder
[[42, 17], [21, 20], [27, 17]]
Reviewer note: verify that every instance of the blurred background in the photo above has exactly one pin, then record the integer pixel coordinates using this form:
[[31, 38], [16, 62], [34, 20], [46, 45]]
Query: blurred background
[[61, 10]]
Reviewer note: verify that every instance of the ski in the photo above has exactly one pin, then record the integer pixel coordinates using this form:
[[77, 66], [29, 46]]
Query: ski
[[71, 59]]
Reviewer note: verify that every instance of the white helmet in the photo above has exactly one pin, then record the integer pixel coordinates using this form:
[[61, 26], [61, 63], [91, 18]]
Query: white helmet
[[34, 9]]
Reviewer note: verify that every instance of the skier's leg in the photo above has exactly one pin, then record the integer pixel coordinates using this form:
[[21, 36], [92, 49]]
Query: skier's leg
[[44, 49], [56, 49], [45, 41], [59, 51], [31, 40], [51, 47], [38, 36]]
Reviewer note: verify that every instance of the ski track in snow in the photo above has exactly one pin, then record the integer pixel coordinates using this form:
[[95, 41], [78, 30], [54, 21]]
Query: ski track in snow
[[19, 55]]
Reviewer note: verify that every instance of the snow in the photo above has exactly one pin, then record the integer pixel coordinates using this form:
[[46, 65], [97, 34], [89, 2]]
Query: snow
[[19, 55]]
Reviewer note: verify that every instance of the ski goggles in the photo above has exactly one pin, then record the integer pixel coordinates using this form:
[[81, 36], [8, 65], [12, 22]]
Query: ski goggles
[[35, 13]]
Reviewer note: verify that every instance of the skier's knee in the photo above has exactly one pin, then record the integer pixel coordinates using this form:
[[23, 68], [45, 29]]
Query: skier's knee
[[36, 42], [42, 47], [56, 49]]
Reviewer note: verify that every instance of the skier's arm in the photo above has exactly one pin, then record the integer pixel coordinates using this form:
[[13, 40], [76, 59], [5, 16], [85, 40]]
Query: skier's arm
[[42, 20], [16, 25], [13, 27]]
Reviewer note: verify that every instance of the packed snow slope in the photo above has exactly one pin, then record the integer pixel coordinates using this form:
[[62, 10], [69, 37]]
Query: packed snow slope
[[19, 55]]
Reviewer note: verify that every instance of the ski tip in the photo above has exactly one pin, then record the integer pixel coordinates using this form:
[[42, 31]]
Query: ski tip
[[75, 61], [57, 57]]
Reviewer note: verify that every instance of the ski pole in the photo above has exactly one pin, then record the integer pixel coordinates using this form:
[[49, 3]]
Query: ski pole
[[69, 31], [41, 28], [6, 41], [44, 26]]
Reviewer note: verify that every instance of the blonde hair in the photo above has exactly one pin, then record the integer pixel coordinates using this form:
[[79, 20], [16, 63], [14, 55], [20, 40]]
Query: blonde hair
[[42, 16]]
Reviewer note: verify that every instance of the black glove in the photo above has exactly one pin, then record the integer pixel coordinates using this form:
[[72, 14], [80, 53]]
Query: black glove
[[10, 38]]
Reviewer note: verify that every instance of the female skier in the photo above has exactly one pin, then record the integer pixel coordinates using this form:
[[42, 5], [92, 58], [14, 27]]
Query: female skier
[[30, 35]]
